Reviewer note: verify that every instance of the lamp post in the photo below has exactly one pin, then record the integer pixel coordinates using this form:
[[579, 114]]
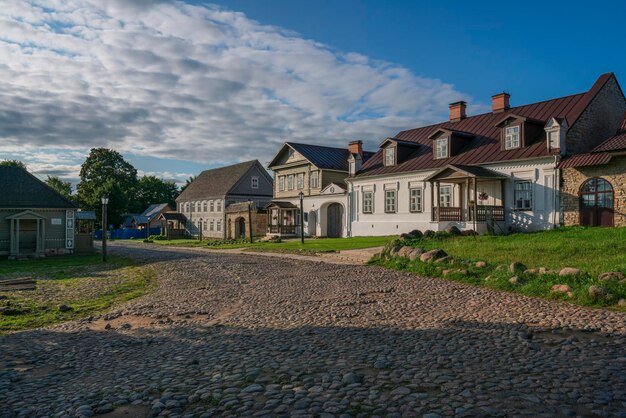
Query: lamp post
[[250, 219], [301, 196], [105, 202]]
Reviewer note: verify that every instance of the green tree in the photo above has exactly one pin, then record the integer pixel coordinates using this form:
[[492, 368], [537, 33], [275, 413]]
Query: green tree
[[151, 189], [63, 187], [187, 182], [106, 172], [13, 163]]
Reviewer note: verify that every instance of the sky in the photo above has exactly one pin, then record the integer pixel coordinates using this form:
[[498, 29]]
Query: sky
[[179, 87]]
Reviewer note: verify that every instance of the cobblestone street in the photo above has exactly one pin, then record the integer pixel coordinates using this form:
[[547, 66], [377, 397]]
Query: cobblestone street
[[247, 335]]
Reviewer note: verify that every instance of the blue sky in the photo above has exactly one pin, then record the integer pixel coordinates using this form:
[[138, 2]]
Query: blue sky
[[179, 87]]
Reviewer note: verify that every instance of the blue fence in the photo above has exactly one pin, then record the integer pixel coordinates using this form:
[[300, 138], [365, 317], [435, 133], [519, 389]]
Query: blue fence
[[128, 233]]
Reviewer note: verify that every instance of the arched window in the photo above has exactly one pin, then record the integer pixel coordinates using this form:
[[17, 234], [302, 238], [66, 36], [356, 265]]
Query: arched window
[[596, 202]]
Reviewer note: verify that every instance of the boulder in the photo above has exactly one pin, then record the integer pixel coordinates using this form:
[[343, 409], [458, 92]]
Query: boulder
[[561, 288], [446, 259], [542, 270], [517, 267], [480, 264], [64, 308], [415, 253], [622, 302], [404, 251], [432, 255], [569, 271], [446, 272], [514, 280], [394, 250], [462, 272], [416, 233], [599, 292], [453, 230], [611, 276]]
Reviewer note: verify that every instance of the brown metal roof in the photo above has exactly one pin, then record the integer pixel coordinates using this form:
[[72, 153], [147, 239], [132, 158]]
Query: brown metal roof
[[583, 160], [615, 143], [485, 147]]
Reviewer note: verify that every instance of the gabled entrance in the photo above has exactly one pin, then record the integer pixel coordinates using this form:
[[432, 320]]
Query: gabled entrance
[[27, 233]]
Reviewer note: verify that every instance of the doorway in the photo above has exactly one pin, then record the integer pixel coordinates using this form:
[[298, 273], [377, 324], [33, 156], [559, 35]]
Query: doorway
[[596, 203], [240, 228], [334, 224]]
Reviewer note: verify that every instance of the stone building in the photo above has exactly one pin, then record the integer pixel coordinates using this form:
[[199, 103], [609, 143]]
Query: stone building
[[203, 203], [34, 218], [238, 220], [594, 184]]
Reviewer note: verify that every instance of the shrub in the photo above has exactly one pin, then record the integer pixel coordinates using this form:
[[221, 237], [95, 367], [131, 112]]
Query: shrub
[[157, 238]]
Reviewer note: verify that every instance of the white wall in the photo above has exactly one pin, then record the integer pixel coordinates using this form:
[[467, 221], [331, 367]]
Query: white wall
[[543, 215], [319, 204]]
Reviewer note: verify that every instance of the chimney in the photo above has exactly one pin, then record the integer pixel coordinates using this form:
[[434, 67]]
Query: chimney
[[356, 147], [457, 111], [500, 102]]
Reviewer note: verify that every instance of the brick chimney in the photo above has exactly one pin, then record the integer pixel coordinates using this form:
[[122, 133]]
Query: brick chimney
[[356, 147], [500, 102], [457, 111]]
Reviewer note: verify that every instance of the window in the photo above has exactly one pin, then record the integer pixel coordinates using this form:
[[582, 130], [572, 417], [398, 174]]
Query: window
[[211, 225], [181, 207], [511, 137], [254, 182], [445, 196], [523, 195], [300, 181], [390, 201], [219, 205], [204, 206], [553, 140], [187, 207], [290, 182], [415, 200], [281, 183], [441, 148], [219, 225], [368, 202], [314, 181], [211, 206], [390, 156]]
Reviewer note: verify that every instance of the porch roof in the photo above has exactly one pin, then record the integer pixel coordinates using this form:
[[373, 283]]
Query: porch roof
[[281, 205], [27, 214], [173, 216], [461, 172]]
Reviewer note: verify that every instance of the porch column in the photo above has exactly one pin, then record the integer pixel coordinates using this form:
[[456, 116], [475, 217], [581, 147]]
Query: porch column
[[475, 207], [432, 200], [467, 199], [14, 240], [438, 201]]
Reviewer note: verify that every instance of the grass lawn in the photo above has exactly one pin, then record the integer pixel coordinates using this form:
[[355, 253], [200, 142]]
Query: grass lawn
[[592, 250], [83, 283], [311, 245]]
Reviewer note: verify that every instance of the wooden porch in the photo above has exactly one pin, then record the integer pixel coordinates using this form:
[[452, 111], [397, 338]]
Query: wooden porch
[[283, 219]]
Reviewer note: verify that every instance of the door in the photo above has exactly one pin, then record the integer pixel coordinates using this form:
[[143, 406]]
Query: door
[[596, 203], [241, 228], [312, 223], [28, 236], [334, 224]]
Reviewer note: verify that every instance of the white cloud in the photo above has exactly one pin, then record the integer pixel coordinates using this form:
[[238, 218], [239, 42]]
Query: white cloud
[[198, 83]]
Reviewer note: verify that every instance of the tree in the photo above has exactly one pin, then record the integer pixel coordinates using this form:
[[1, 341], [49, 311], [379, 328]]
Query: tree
[[63, 187], [13, 163], [187, 182], [106, 172], [151, 189]]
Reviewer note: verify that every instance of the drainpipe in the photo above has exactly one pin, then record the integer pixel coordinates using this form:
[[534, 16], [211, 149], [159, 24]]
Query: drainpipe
[[557, 187]]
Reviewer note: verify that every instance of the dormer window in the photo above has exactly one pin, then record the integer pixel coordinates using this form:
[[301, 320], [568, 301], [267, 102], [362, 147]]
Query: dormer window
[[511, 137], [441, 148], [390, 156]]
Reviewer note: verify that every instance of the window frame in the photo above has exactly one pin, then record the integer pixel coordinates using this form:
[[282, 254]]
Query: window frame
[[442, 144], [300, 181], [413, 200], [364, 206], [218, 205], [218, 225], [509, 137], [211, 206], [314, 176], [390, 152], [516, 197], [290, 182], [254, 182], [212, 225], [394, 202], [443, 195], [281, 183]]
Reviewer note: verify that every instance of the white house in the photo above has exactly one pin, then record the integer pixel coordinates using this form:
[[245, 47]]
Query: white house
[[498, 170]]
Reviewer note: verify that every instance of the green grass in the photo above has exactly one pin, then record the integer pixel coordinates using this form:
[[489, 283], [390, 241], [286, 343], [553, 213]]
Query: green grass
[[72, 281], [313, 245], [592, 250]]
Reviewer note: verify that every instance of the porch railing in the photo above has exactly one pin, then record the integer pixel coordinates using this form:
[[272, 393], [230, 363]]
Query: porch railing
[[488, 212], [283, 229], [455, 214]]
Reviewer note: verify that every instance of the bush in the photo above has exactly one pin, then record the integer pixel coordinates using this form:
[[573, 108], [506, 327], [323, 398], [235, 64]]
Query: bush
[[220, 242]]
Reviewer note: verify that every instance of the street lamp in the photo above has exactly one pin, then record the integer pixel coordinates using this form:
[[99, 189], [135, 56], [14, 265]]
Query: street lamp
[[105, 202], [301, 196]]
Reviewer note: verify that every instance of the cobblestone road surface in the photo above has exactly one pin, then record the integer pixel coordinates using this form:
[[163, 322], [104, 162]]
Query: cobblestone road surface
[[245, 335]]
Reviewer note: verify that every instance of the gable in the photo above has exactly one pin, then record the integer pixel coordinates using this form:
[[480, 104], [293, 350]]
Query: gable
[[333, 189], [20, 189]]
